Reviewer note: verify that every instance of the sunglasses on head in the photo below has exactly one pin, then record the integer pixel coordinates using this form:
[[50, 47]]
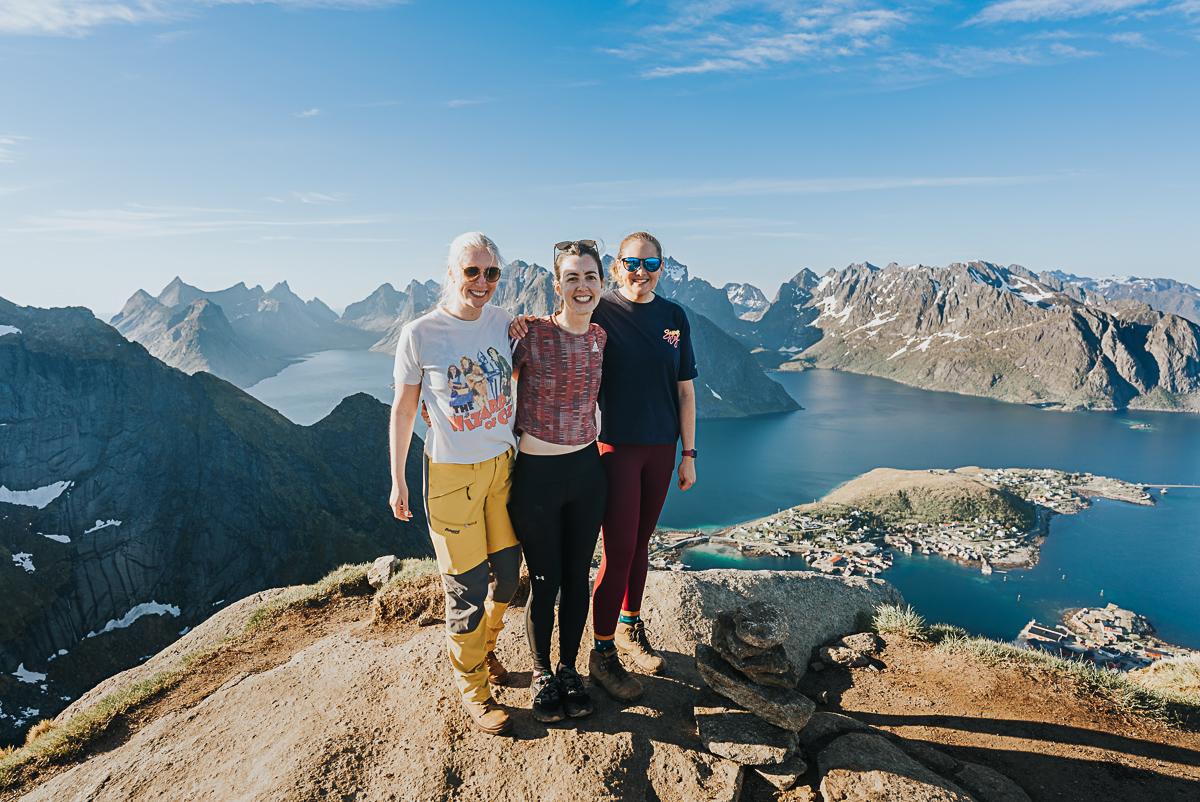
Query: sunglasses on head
[[632, 263], [490, 274], [566, 244]]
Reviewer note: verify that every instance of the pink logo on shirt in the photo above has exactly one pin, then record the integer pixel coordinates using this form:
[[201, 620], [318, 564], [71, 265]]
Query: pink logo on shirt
[[671, 336]]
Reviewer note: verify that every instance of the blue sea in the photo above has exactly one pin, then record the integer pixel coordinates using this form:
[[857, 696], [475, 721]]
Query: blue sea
[[1143, 558]]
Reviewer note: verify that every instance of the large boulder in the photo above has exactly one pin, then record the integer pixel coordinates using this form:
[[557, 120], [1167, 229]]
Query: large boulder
[[862, 767], [681, 607], [743, 737]]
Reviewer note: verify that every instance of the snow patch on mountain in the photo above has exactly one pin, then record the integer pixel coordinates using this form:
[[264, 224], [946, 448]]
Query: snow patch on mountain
[[143, 609], [38, 497], [102, 525], [5, 329], [28, 677], [24, 560]]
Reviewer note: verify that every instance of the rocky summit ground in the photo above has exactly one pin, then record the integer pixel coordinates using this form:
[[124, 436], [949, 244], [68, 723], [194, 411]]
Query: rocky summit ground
[[348, 698]]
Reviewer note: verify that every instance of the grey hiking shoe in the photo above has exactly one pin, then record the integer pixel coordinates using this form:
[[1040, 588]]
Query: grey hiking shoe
[[607, 672], [577, 702], [546, 698], [632, 643]]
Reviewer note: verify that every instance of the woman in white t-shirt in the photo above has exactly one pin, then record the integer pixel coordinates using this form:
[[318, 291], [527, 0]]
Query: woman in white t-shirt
[[468, 464]]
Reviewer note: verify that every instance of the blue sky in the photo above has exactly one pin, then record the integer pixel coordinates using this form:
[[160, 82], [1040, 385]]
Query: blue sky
[[343, 143]]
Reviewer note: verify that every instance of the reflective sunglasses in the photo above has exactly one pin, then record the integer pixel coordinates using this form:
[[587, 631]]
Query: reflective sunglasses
[[632, 263], [490, 274], [567, 243]]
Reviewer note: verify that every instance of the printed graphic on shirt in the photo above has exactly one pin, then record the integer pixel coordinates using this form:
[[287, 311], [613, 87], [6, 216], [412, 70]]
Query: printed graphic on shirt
[[671, 336], [480, 391]]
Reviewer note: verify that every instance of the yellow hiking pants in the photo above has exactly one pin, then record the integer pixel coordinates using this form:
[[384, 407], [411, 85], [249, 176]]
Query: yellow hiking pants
[[478, 557]]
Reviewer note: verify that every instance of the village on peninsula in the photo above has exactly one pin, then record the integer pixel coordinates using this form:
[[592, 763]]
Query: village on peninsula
[[990, 519]]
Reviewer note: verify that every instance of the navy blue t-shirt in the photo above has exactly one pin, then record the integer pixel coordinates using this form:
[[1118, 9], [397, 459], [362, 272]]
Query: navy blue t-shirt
[[649, 351]]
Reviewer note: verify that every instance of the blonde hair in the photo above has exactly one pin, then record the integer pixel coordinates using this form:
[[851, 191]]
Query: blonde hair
[[637, 236], [459, 247]]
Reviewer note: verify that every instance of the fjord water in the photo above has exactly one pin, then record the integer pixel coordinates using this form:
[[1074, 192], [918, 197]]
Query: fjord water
[[1144, 558]]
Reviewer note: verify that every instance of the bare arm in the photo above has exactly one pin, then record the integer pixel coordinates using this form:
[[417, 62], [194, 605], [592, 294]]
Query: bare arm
[[403, 419], [687, 432]]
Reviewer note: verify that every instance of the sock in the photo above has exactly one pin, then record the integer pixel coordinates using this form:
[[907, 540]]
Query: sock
[[605, 644], [630, 618]]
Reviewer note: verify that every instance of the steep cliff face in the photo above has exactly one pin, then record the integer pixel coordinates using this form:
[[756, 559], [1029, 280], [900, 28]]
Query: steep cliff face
[[256, 333], [982, 329], [134, 498]]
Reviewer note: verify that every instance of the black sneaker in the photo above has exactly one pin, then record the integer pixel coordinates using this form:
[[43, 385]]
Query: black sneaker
[[576, 701], [547, 703]]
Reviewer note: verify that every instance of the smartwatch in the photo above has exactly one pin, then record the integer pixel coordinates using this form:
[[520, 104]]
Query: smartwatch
[[689, 452]]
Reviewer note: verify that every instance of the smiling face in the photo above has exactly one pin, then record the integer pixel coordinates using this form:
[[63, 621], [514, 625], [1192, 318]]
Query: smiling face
[[474, 293], [579, 284], [638, 285]]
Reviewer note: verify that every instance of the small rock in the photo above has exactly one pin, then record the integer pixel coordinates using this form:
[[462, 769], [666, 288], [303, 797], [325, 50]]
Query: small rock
[[760, 625], [726, 641], [788, 681], [383, 569], [783, 775], [862, 767], [989, 785], [841, 656], [743, 737], [824, 727], [865, 642], [786, 709]]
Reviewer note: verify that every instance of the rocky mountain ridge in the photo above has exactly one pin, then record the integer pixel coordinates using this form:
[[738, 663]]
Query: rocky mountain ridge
[[135, 499], [983, 329], [242, 334]]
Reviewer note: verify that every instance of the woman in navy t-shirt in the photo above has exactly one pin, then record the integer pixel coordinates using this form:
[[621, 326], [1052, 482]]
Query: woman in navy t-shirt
[[647, 404]]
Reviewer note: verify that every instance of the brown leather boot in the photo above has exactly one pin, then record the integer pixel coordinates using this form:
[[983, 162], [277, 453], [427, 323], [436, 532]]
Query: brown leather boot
[[497, 673], [607, 672], [632, 643], [488, 716]]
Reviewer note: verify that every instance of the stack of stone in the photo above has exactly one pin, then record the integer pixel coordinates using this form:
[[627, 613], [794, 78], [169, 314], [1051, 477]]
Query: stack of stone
[[747, 665]]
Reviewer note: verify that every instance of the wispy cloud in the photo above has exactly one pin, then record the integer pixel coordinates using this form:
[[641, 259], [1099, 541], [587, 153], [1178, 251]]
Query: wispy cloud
[[1037, 10], [8, 145], [136, 221], [463, 102], [79, 17], [744, 35], [313, 112], [909, 68], [320, 197], [745, 187]]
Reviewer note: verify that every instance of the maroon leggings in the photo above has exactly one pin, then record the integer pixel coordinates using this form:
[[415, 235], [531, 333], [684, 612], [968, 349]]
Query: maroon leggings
[[638, 480]]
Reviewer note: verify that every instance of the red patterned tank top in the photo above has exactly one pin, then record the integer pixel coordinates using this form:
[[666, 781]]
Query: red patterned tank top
[[559, 382]]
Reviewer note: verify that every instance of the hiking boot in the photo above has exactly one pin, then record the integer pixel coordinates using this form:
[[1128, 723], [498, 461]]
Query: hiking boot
[[576, 700], [631, 642], [547, 700], [488, 716], [497, 673], [606, 670]]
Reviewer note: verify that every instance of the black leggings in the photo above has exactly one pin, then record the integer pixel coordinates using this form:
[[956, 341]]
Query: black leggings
[[556, 506]]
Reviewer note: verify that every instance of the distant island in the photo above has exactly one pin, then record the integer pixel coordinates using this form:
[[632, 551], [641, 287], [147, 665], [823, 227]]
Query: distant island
[[989, 518], [1109, 636]]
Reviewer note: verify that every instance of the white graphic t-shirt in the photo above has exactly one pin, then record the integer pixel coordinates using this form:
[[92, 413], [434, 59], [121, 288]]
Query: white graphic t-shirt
[[464, 368]]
